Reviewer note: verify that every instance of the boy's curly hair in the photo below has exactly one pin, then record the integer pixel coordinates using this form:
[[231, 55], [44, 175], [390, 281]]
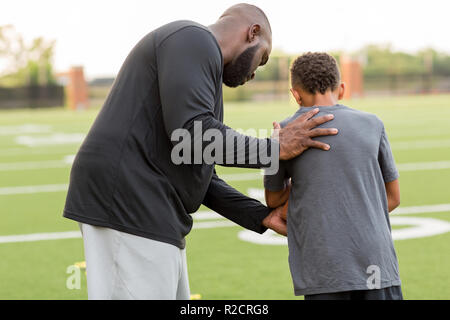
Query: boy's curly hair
[[315, 72]]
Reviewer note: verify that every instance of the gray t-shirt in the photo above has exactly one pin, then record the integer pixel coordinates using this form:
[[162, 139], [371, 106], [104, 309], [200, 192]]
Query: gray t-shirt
[[339, 234]]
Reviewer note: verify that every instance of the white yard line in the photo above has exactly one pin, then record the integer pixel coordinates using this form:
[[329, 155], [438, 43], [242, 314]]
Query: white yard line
[[249, 176], [242, 176], [33, 189], [420, 228], [57, 149], [423, 226], [422, 209], [420, 144], [37, 165], [33, 165], [53, 139], [420, 166], [40, 236], [67, 161], [24, 129], [206, 215], [402, 167], [77, 234], [259, 194], [213, 224]]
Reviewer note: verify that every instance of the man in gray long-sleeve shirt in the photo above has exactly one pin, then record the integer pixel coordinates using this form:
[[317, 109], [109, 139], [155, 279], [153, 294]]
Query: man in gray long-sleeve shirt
[[132, 201]]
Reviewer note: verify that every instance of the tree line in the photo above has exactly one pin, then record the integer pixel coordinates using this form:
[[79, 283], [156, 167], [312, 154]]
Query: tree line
[[377, 61], [23, 64]]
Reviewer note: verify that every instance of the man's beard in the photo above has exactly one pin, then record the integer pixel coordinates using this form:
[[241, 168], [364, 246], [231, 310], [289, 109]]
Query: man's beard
[[236, 73]]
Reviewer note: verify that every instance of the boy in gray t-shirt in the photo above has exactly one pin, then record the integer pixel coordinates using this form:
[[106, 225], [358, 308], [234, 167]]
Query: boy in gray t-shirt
[[339, 234]]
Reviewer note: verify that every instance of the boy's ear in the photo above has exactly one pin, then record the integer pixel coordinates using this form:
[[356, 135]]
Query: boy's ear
[[296, 96], [341, 91]]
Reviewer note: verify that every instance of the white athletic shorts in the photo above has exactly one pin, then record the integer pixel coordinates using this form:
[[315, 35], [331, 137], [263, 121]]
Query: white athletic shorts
[[124, 266]]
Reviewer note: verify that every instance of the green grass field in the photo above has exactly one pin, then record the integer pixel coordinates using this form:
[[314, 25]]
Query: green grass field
[[35, 151]]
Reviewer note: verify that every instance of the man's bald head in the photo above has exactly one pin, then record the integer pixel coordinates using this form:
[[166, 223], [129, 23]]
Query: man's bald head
[[248, 13], [245, 38]]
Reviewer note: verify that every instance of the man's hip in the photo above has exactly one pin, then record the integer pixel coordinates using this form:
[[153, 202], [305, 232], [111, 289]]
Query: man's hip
[[124, 266]]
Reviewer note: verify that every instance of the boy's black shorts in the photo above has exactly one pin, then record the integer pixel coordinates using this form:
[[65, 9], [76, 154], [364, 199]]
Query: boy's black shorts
[[390, 293]]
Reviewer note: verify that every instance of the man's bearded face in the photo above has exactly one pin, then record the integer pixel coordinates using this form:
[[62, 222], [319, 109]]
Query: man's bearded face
[[238, 72]]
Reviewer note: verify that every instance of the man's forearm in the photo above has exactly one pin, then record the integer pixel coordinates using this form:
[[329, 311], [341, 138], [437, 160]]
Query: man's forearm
[[235, 206], [234, 149]]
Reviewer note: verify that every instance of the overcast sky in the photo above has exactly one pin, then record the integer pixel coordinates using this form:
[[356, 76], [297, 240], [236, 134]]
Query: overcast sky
[[98, 34]]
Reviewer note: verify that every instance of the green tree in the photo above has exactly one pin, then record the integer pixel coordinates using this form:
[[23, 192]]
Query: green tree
[[24, 64], [383, 60]]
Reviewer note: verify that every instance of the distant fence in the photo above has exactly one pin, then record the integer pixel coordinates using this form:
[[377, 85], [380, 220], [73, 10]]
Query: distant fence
[[385, 85], [405, 84], [31, 97]]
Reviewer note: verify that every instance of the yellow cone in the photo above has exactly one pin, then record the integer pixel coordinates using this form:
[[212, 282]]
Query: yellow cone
[[81, 265]]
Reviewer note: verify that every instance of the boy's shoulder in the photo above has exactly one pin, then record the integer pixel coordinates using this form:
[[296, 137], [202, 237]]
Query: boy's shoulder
[[285, 121], [361, 113], [338, 110], [366, 117]]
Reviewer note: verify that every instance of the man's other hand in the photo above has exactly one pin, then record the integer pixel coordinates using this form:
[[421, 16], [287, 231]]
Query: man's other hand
[[276, 222]]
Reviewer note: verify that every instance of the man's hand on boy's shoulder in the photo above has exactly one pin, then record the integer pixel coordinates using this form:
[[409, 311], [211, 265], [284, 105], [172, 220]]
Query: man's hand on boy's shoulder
[[296, 137]]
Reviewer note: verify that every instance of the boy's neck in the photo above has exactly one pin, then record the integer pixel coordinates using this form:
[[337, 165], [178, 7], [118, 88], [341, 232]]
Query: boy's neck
[[320, 100]]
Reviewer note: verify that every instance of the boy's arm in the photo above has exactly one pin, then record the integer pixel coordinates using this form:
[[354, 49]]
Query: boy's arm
[[393, 194], [277, 187], [389, 172], [274, 199]]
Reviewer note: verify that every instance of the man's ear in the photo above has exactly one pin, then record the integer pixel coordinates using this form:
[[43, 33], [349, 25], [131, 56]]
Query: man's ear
[[296, 96], [253, 32], [341, 91]]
